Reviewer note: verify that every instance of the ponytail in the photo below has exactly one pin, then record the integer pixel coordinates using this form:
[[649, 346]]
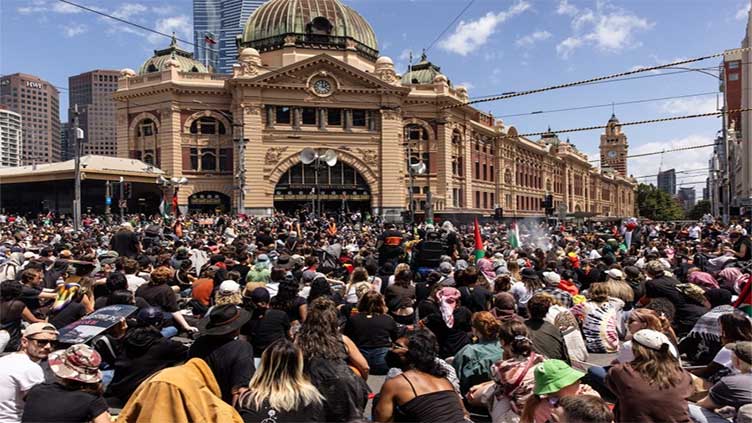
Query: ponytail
[[514, 333]]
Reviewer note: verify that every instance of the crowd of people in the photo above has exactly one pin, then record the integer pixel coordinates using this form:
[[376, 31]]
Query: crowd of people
[[281, 319]]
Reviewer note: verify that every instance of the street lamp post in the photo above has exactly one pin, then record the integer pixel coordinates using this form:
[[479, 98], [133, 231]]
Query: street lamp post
[[78, 135], [170, 186]]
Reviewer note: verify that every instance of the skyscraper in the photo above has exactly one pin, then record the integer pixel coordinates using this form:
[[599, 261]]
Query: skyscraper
[[687, 197], [10, 138], [667, 181], [216, 23], [92, 91], [38, 103]]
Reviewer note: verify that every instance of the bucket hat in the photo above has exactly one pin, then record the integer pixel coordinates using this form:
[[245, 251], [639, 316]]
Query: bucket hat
[[79, 363], [554, 375]]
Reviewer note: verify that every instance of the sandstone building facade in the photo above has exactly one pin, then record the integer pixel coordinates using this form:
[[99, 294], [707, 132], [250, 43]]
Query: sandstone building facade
[[308, 74]]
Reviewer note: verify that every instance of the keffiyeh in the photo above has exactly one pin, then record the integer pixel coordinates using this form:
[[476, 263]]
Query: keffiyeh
[[448, 298]]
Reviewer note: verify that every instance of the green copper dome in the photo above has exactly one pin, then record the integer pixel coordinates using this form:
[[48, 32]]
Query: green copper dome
[[158, 62], [422, 72], [326, 24]]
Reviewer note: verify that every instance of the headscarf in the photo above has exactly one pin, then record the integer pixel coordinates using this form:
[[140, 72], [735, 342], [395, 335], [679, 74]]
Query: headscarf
[[486, 268], [728, 276], [448, 298], [703, 279]]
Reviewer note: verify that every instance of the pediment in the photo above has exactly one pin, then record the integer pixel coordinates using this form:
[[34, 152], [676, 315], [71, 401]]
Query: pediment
[[348, 77]]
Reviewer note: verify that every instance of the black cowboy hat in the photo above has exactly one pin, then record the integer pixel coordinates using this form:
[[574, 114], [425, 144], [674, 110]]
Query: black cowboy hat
[[223, 320]]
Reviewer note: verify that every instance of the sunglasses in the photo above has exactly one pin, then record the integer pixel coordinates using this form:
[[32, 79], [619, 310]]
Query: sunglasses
[[397, 346], [43, 342]]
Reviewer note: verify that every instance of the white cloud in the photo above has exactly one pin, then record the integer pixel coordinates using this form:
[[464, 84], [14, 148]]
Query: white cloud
[[65, 8], [742, 13], [566, 9], [163, 10], [128, 10], [678, 160], [688, 106], [73, 30], [180, 24], [466, 84], [530, 39], [608, 29], [469, 36]]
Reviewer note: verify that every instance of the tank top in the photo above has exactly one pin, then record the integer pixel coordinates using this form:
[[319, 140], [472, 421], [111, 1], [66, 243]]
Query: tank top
[[440, 406]]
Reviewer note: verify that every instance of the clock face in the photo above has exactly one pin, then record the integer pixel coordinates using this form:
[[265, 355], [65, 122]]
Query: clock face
[[612, 154], [322, 87]]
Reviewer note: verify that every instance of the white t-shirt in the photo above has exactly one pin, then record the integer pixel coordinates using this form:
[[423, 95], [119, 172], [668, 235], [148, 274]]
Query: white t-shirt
[[134, 282], [724, 359], [18, 374], [694, 232]]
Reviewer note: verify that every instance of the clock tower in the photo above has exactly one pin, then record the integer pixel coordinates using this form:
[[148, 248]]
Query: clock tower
[[614, 147]]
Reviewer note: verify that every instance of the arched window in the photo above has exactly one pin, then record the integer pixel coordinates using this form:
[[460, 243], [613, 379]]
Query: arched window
[[208, 160], [207, 125], [146, 128], [194, 69], [148, 158], [151, 68], [457, 153], [416, 141], [146, 144]]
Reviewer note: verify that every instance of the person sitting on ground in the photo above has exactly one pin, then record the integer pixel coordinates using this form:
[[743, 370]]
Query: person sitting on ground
[[400, 297], [473, 360], [451, 324], [582, 409], [704, 340], [523, 291], [653, 387], [554, 380], [230, 359], [547, 338], [373, 331], [731, 391], [735, 327], [266, 325], [553, 280], [13, 312], [21, 371], [421, 393], [279, 390], [600, 318], [76, 395], [158, 294], [474, 296], [619, 288]]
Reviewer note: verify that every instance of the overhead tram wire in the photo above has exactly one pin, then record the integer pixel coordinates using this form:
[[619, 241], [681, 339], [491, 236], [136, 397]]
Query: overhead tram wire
[[692, 171], [456, 18], [145, 28], [596, 79], [637, 122], [596, 106], [691, 147]]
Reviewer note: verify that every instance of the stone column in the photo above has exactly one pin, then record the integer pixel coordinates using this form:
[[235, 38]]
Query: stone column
[[469, 173], [270, 116], [444, 161], [123, 131], [259, 201], [169, 140], [295, 118], [348, 119], [321, 112], [392, 189]]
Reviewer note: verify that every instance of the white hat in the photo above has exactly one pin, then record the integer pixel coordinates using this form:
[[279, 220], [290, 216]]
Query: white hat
[[650, 338], [615, 274], [229, 287], [551, 278]]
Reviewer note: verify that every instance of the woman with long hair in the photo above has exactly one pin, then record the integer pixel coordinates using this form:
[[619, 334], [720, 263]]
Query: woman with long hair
[[372, 330], [600, 319], [653, 387], [288, 300], [735, 327], [422, 392], [333, 362], [400, 297], [619, 288], [279, 389], [525, 289], [358, 278]]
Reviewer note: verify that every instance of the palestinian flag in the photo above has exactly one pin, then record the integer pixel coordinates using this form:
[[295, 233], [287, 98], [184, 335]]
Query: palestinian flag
[[480, 252], [513, 235], [744, 302], [209, 39]]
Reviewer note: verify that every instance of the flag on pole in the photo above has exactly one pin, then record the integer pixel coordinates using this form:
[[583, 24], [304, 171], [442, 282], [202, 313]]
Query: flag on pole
[[513, 235], [209, 39], [479, 251]]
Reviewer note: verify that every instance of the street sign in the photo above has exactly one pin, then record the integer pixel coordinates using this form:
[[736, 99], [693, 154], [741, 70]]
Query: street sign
[[108, 201]]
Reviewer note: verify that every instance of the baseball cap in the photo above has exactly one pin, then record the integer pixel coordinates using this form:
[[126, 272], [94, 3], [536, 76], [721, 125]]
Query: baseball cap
[[260, 295], [38, 328], [654, 267], [650, 338], [446, 268], [615, 273], [742, 350], [229, 287]]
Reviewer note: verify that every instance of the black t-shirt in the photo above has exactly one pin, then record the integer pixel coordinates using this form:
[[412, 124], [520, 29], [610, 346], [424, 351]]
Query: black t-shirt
[[231, 361], [312, 413], [687, 312], [264, 328], [52, 402], [125, 243], [475, 298], [159, 295], [451, 339], [68, 315], [30, 297], [371, 330], [11, 313], [738, 246]]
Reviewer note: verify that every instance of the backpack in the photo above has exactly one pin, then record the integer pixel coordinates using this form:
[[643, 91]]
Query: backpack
[[5, 271], [430, 253]]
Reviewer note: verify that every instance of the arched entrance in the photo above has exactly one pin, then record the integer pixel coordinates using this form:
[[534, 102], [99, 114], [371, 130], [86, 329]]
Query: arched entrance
[[208, 202], [341, 188]]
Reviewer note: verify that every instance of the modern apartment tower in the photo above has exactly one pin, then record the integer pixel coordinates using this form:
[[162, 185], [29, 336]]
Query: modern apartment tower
[[38, 103], [10, 138], [216, 24], [667, 181], [92, 92]]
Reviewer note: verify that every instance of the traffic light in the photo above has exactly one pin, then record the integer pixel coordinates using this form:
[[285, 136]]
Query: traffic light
[[498, 214], [128, 190], [406, 217], [548, 202]]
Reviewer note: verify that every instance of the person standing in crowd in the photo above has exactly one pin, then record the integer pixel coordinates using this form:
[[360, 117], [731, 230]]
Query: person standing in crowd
[[279, 391], [421, 393], [372, 331], [21, 371], [652, 387], [230, 359], [76, 395], [390, 244]]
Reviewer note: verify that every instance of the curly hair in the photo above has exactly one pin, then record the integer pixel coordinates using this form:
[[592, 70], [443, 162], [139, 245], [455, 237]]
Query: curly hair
[[539, 304], [319, 336], [486, 325], [161, 275], [514, 332], [422, 350]]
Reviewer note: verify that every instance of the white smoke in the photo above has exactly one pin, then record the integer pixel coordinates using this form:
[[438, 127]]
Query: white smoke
[[535, 234]]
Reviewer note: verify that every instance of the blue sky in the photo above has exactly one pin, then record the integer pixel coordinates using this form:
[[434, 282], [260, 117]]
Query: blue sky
[[497, 46]]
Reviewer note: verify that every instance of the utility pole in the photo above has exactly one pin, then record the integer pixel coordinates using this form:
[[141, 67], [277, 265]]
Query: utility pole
[[77, 165], [108, 201], [241, 165], [122, 201]]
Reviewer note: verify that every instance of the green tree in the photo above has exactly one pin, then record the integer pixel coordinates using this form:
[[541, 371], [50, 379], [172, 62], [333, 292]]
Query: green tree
[[699, 210], [655, 204]]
